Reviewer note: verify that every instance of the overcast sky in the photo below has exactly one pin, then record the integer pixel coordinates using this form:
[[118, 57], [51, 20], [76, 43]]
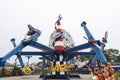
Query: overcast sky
[[100, 15]]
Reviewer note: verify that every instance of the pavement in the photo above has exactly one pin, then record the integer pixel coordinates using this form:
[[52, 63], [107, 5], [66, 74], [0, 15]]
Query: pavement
[[36, 77]]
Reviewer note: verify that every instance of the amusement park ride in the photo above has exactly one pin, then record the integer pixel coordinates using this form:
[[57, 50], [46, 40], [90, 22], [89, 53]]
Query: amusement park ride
[[58, 55]]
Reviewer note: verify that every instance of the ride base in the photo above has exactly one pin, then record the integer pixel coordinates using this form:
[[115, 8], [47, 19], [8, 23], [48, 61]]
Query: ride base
[[66, 77]]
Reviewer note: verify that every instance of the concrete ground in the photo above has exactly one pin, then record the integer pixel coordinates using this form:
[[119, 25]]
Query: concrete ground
[[36, 77]]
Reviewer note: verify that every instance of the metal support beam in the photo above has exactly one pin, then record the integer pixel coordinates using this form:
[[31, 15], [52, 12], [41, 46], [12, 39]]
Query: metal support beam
[[20, 60], [14, 51], [99, 55], [76, 48], [44, 54], [88, 33], [73, 54], [18, 55], [41, 47], [13, 41]]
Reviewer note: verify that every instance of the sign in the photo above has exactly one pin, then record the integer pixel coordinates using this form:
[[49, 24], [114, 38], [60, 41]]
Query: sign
[[61, 68]]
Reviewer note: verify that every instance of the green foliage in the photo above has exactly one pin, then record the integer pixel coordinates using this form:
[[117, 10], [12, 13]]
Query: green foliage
[[117, 76], [84, 58], [112, 54], [45, 71]]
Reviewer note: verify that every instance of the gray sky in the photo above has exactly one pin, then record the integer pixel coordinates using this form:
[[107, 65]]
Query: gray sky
[[100, 15]]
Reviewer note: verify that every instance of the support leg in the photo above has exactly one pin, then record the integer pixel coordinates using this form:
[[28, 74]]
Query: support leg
[[20, 60]]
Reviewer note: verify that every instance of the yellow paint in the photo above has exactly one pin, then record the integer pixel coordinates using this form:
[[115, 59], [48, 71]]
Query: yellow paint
[[26, 70], [61, 68]]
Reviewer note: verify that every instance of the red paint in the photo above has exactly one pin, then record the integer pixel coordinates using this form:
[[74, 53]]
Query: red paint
[[91, 41]]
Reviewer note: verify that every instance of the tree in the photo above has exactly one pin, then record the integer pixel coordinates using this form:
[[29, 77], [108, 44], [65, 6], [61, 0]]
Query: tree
[[112, 55], [117, 76]]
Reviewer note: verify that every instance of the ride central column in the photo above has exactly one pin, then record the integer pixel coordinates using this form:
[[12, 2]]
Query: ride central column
[[59, 65]]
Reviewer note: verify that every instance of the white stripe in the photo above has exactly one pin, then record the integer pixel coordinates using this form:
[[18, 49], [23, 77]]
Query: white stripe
[[62, 72], [59, 43], [57, 33], [53, 73], [61, 57], [64, 62], [58, 62], [58, 27]]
